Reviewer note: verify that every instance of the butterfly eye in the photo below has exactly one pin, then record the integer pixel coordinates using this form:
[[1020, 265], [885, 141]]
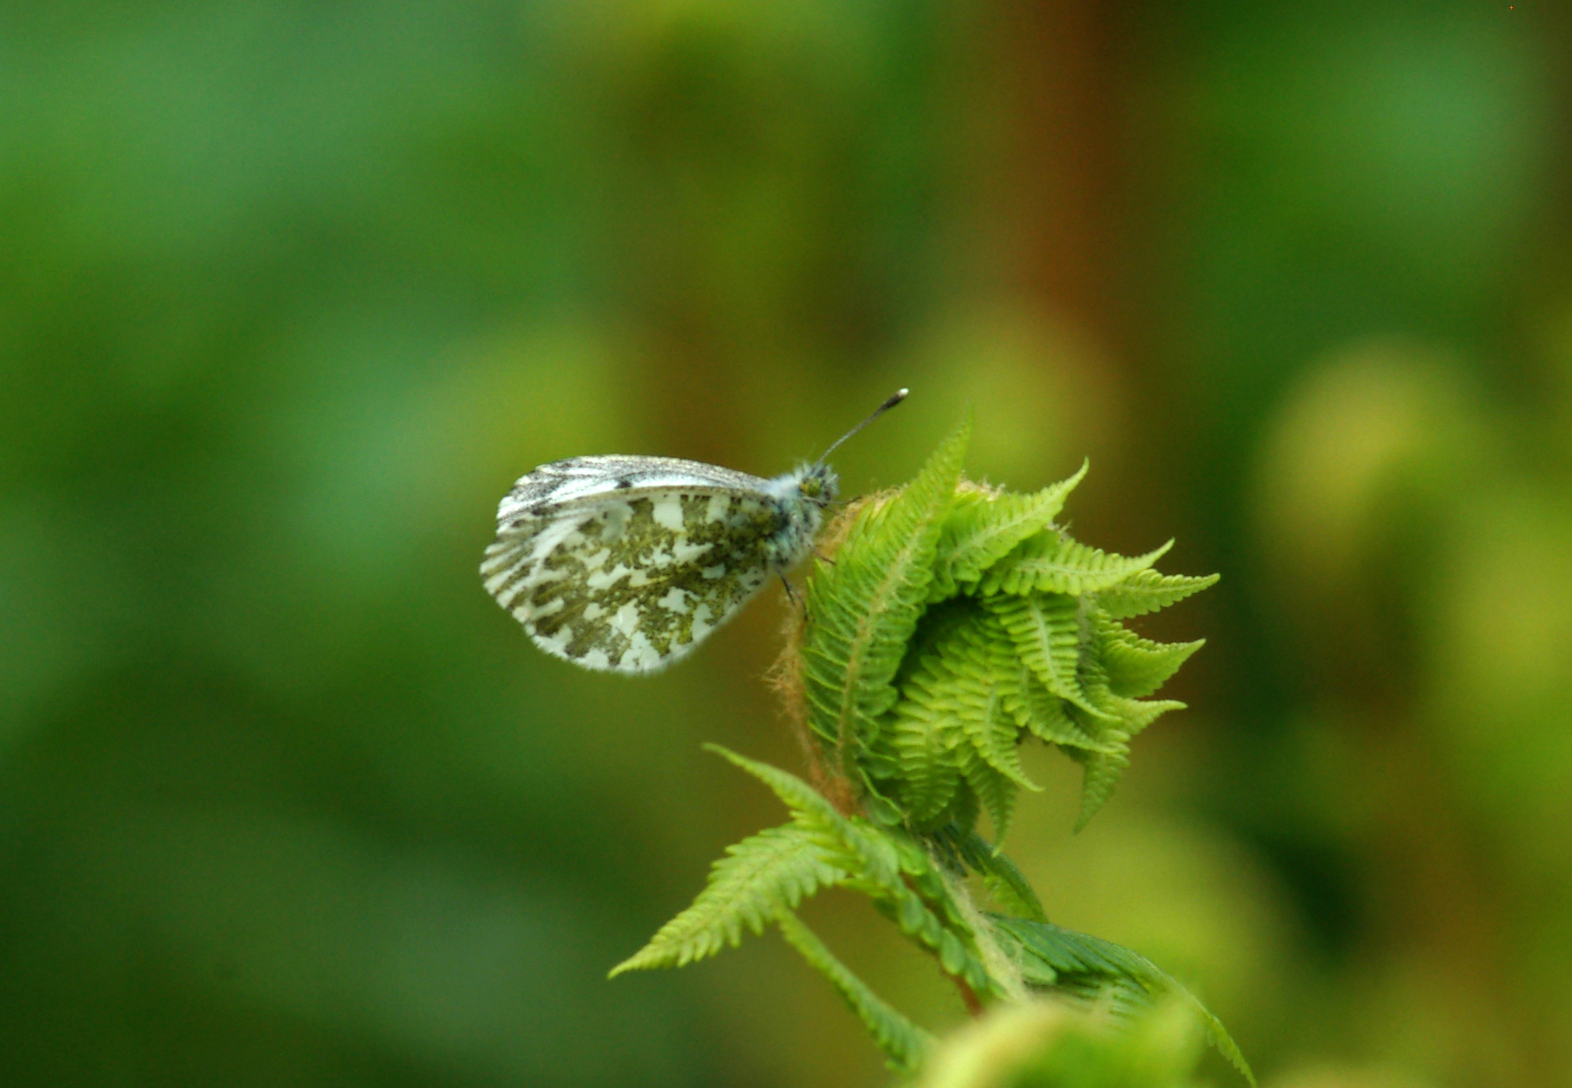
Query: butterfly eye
[[812, 487]]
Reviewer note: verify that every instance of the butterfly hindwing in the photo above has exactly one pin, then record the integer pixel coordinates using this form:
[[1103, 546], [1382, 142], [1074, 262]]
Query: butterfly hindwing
[[626, 564]]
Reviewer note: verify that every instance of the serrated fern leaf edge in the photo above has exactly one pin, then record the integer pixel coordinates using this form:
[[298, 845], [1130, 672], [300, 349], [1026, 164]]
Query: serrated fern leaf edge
[[904, 1042], [760, 876], [1069, 953]]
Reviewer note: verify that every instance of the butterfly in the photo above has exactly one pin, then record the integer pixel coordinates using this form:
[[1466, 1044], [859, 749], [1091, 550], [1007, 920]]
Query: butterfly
[[625, 564]]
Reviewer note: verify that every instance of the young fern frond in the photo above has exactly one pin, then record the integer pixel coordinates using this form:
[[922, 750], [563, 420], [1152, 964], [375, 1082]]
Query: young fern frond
[[995, 792], [984, 526], [864, 608], [1136, 666], [1053, 563], [759, 877], [883, 865], [990, 693], [904, 1042], [1118, 720], [1045, 717], [1046, 629], [956, 622], [1054, 958], [958, 722], [924, 736], [1147, 591]]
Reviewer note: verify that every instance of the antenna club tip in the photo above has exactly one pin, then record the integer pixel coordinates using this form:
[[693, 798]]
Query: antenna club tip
[[900, 395]]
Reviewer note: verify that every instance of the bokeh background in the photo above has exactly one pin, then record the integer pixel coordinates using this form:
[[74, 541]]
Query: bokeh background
[[290, 293]]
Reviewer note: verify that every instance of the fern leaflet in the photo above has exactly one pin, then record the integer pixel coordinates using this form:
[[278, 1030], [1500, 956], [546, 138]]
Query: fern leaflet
[[760, 876], [864, 608], [924, 736], [984, 527], [1120, 719], [1043, 715], [904, 1042], [1046, 628], [1053, 958], [1052, 562], [1147, 591], [1136, 666], [874, 862]]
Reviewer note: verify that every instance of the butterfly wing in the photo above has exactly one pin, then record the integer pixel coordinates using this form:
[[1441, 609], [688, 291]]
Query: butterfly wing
[[627, 563]]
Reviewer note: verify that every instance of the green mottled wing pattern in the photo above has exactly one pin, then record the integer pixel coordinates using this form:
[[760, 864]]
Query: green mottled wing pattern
[[625, 564]]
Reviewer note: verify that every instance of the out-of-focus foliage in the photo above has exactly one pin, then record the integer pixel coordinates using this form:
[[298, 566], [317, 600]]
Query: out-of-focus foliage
[[290, 293], [1053, 1046]]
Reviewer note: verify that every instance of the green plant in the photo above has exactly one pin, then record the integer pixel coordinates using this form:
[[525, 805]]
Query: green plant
[[955, 621], [1055, 1045]]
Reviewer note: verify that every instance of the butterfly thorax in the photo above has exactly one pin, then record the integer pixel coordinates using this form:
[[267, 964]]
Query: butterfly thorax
[[802, 496]]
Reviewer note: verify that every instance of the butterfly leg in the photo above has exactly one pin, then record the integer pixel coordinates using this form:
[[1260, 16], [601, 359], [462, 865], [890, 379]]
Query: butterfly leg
[[791, 591]]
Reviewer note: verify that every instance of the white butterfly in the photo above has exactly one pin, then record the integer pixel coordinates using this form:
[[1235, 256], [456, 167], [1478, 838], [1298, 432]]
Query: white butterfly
[[626, 563]]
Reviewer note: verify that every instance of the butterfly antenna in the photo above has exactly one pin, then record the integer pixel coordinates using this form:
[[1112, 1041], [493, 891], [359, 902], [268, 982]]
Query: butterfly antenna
[[899, 395]]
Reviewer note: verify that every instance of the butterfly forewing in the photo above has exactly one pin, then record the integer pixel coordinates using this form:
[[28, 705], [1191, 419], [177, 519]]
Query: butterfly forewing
[[626, 563], [585, 477]]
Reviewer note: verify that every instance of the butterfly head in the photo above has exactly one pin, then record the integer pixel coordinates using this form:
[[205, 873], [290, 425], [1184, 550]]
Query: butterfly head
[[818, 483]]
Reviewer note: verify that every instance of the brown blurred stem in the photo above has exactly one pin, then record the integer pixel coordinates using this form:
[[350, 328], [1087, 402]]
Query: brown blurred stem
[[974, 1004]]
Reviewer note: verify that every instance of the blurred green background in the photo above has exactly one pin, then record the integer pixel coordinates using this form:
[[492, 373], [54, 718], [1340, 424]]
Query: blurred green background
[[291, 292]]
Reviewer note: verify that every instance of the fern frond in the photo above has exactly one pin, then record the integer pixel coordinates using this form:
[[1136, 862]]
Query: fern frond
[[1136, 714], [761, 876], [1121, 719], [904, 1042], [1056, 958], [956, 719], [1052, 562], [994, 732], [1007, 884], [927, 876], [863, 609], [955, 620], [985, 526], [968, 512], [1046, 628], [876, 861], [1137, 666], [864, 856], [1147, 591], [1042, 714], [1100, 773], [983, 671], [924, 735], [991, 788]]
